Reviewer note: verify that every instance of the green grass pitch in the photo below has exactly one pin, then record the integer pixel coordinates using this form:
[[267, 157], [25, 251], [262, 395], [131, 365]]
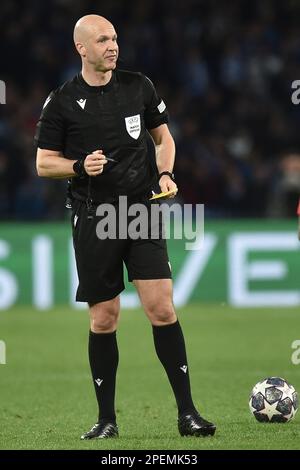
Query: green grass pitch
[[47, 398]]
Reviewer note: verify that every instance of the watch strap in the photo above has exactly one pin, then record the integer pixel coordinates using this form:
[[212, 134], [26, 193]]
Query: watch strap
[[168, 173]]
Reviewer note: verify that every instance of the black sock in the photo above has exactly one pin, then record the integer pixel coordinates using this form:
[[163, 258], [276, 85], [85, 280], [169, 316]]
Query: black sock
[[170, 348], [104, 358]]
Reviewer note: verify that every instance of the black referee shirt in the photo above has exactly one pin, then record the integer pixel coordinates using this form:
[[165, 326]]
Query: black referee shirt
[[78, 118]]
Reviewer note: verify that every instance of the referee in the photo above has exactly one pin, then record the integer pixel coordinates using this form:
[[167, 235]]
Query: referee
[[94, 130]]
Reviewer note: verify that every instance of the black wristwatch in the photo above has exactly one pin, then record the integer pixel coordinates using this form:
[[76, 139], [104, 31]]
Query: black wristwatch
[[78, 168], [166, 173]]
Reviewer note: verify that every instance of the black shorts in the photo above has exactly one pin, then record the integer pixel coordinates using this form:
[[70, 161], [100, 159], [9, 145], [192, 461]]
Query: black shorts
[[100, 262]]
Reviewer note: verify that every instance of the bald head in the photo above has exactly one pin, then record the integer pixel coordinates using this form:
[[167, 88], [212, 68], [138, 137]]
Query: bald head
[[95, 39], [89, 25]]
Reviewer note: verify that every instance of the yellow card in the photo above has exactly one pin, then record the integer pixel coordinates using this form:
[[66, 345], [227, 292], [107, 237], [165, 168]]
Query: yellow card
[[163, 195]]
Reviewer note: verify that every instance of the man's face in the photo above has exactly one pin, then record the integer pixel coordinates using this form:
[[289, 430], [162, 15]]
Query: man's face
[[102, 49]]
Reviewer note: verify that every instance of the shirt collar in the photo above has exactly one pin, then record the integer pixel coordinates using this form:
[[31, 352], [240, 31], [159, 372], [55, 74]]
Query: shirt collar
[[96, 89]]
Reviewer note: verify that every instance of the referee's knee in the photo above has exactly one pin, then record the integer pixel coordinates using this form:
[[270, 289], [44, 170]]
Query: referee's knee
[[103, 325], [161, 314], [104, 318]]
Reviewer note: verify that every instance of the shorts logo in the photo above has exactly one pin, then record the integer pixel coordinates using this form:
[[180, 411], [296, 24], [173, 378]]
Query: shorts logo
[[133, 126]]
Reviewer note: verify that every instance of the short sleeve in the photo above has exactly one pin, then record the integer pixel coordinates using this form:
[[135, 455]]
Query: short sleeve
[[155, 109], [50, 127]]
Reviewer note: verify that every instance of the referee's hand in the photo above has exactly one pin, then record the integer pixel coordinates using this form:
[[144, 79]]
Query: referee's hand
[[94, 163], [166, 184]]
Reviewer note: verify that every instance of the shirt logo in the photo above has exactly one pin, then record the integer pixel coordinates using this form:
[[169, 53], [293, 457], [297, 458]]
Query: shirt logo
[[184, 369], [81, 102], [133, 126]]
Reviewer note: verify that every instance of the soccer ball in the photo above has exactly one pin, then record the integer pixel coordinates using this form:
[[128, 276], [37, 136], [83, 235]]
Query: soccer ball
[[273, 400]]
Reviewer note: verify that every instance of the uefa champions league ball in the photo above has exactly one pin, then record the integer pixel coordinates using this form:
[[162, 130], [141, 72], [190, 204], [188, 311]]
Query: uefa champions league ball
[[273, 400]]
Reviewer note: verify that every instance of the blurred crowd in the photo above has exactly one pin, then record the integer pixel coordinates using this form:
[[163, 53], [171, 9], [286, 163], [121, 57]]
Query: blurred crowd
[[224, 69]]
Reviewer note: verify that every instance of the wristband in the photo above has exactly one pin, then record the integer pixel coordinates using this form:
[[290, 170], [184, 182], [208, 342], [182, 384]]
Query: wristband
[[78, 168], [171, 175]]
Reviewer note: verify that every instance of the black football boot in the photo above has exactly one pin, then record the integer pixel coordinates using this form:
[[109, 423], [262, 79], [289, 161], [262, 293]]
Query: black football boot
[[192, 424], [102, 430]]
